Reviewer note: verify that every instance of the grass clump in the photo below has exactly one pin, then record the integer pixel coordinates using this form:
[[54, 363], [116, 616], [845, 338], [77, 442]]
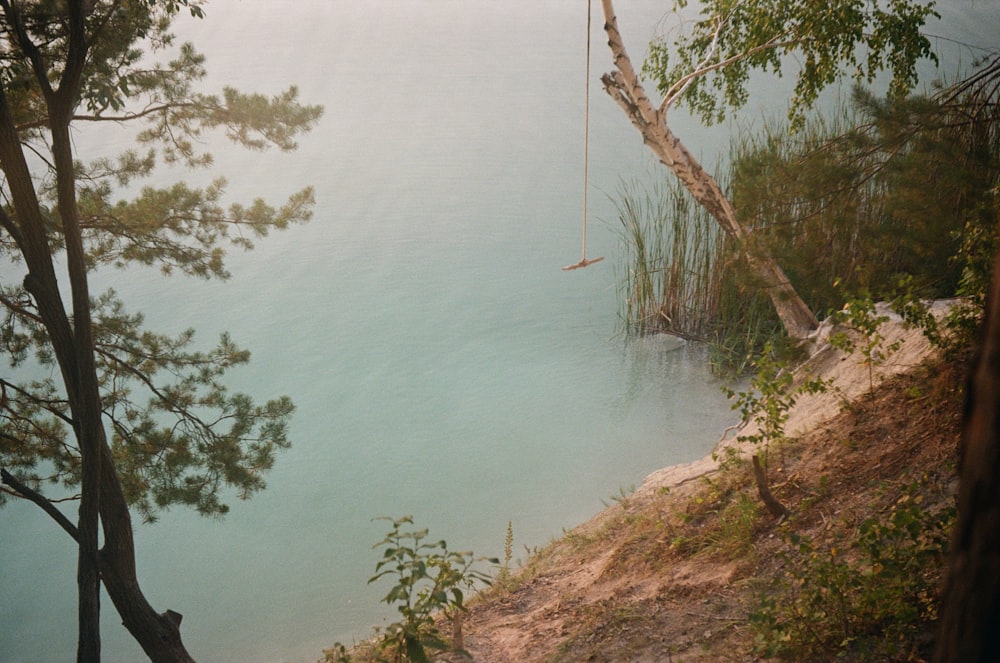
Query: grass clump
[[682, 279]]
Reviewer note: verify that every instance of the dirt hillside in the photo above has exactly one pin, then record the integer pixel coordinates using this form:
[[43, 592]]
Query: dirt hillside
[[674, 571]]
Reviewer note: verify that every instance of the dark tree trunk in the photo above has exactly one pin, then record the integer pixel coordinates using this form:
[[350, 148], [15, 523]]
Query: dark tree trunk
[[42, 284], [970, 611], [777, 509], [102, 500], [158, 634], [72, 341]]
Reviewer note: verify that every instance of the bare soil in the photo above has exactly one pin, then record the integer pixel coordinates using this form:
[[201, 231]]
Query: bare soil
[[672, 572]]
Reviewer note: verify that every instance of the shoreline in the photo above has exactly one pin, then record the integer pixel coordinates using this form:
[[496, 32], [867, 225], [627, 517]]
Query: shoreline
[[670, 570], [849, 382]]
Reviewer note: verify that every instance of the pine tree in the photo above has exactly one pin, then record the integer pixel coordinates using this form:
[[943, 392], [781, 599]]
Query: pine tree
[[129, 418]]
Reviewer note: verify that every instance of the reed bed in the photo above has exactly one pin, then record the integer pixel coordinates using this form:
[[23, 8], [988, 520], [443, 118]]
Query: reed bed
[[669, 285], [681, 276], [892, 198]]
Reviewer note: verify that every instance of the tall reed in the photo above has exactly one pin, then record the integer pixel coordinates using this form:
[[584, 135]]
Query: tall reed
[[669, 285], [682, 278]]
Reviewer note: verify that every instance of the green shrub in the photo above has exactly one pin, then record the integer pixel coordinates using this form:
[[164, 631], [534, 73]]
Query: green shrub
[[870, 597], [772, 392]]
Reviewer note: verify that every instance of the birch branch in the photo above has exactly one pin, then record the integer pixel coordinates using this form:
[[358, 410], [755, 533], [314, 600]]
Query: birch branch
[[629, 81], [677, 89], [682, 84]]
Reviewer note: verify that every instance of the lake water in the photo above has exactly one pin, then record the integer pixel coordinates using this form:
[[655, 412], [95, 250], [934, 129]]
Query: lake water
[[441, 362]]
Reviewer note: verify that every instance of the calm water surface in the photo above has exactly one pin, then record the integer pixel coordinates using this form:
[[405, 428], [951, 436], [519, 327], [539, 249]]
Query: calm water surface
[[442, 364]]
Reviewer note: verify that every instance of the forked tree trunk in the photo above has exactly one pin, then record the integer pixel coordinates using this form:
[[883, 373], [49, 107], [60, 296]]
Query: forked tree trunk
[[623, 86], [158, 634], [970, 611], [81, 386], [102, 499]]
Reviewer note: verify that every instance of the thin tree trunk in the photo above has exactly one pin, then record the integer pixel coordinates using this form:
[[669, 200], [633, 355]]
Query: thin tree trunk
[[42, 284], [85, 399], [87, 422], [777, 509], [970, 612], [623, 86]]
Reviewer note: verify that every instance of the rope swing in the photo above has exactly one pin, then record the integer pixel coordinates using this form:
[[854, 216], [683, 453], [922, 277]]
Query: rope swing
[[586, 153]]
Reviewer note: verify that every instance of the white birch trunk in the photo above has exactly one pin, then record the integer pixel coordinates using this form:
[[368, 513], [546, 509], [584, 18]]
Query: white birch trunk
[[623, 86]]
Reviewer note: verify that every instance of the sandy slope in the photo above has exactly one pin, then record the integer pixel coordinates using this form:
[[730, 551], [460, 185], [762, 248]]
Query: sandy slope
[[620, 588]]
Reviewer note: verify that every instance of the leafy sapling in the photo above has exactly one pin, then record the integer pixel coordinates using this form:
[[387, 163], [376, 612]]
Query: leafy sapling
[[430, 580], [766, 404], [861, 316]]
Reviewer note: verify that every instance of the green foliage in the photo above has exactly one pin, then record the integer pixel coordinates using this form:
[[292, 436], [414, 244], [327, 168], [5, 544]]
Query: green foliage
[[870, 595], [712, 63], [176, 433], [429, 580], [957, 330], [885, 192], [772, 392], [149, 231], [861, 316], [148, 380], [747, 324]]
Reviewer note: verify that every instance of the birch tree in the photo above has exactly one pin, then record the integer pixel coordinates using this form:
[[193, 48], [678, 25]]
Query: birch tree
[[126, 418], [709, 71]]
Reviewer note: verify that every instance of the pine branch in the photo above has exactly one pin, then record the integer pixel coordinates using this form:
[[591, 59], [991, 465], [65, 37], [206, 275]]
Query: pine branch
[[22, 490]]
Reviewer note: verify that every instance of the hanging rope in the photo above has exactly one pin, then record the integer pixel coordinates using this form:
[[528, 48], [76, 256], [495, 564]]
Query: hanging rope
[[586, 156]]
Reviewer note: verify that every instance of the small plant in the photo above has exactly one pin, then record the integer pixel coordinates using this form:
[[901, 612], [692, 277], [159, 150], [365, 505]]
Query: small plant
[[729, 457], [622, 498], [429, 580], [870, 596], [772, 393], [861, 315], [503, 578]]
